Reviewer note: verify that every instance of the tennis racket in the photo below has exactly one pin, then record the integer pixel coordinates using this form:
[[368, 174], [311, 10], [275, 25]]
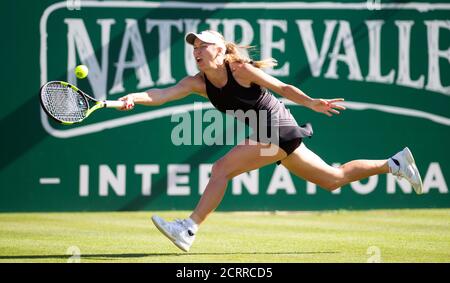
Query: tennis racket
[[68, 105]]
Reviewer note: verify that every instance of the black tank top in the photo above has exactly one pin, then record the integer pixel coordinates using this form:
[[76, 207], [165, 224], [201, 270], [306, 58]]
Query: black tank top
[[234, 96]]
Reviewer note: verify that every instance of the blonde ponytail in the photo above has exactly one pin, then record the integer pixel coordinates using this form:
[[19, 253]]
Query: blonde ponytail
[[232, 54]]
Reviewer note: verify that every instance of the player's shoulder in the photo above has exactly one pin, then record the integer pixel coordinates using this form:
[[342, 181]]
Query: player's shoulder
[[242, 67], [195, 83], [243, 70], [235, 66], [194, 80]]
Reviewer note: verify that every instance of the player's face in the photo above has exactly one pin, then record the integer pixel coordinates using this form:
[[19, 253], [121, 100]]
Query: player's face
[[205, 54]]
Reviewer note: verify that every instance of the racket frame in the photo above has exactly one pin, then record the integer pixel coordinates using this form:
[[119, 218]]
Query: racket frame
[[97, 103]]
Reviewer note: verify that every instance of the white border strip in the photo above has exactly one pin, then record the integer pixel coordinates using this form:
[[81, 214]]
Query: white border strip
[[169, 111], [391, 109], [418, 6], [49, 181], [421, 7]]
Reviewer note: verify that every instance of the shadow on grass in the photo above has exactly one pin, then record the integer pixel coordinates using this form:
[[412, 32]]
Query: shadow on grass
[[138, 255]]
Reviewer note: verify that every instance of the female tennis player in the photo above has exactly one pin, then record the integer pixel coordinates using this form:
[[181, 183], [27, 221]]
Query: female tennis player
[[232, 81]]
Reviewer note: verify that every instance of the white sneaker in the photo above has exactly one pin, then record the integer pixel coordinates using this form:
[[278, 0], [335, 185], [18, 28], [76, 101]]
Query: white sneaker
[[179, 231], [403, 165]]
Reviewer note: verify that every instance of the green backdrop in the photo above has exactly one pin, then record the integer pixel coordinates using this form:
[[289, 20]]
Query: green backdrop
[[391, 63]]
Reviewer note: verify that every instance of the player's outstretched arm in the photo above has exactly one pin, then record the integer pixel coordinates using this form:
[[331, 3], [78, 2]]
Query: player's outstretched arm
[[257, 76], [155, 96]]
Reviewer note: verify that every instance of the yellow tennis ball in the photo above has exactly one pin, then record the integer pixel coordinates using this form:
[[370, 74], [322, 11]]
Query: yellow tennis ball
[[81, 71]]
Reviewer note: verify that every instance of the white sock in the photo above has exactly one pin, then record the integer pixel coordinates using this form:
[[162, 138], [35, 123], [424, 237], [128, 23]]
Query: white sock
[[192, 225], [393, 167]]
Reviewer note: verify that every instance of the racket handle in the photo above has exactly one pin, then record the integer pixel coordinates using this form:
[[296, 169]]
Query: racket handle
[[114, 103]]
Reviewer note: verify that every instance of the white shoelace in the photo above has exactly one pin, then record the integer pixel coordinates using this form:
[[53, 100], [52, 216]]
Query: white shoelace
[[407, 173], [180, 225], [182, 222], [176, 226]]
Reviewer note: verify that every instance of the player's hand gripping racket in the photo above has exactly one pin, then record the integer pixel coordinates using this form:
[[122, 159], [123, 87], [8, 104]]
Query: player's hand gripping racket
[[66, 104]]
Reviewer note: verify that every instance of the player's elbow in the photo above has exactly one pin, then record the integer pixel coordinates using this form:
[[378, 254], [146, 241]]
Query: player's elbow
[[287, 90], [157, 102], [155, 98]]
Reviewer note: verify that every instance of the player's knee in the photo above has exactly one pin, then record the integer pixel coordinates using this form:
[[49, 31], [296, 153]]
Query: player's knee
[[219, 170], [333, 181], [331, 185], [326, 184]]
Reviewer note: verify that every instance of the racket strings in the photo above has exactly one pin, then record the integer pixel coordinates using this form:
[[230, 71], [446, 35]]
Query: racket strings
[[64, 103]]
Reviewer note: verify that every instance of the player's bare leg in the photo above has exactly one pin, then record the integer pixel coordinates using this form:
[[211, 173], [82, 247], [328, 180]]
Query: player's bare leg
[[242, 158], [309, 166]]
